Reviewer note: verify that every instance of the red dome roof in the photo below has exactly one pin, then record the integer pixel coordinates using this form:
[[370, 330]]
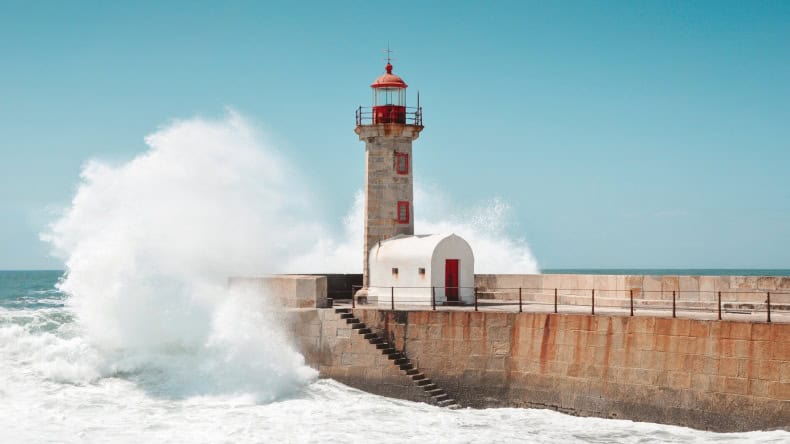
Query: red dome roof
[[389, 80]]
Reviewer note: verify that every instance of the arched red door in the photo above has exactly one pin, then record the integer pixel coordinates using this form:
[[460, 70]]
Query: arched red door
[[451, 280]]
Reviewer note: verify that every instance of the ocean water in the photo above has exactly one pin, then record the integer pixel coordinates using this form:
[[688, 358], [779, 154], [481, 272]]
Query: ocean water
[[59, 385]]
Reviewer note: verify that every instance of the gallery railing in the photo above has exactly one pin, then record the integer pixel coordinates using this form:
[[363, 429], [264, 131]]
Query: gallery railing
[[406, 115], [721, 304]]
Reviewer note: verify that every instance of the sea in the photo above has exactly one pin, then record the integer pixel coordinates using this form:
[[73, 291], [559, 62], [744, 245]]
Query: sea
[[60, 384]]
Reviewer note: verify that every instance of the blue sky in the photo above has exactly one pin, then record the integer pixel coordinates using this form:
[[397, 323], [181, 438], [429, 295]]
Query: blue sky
[[623, 134]]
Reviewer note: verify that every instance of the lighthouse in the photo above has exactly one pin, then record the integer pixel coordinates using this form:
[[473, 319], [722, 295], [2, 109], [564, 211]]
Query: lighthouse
[[388, 129], [422, 269]]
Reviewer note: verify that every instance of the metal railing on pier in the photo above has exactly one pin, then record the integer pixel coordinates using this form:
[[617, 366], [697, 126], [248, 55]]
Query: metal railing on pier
[[750, 305]]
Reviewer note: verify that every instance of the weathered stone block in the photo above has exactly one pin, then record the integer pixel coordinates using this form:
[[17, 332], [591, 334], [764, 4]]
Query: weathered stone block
[[780, 351], [736, 330], [738, 386]]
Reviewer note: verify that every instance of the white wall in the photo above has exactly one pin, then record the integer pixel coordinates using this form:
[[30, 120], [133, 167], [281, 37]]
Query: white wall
[[408, 276], [412, 288]]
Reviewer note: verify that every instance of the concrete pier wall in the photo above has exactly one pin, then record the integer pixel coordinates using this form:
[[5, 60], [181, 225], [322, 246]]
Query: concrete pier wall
[[724, 376], [715, 375]]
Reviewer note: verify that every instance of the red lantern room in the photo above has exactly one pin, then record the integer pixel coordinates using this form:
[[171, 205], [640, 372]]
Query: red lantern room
[[389, 98]]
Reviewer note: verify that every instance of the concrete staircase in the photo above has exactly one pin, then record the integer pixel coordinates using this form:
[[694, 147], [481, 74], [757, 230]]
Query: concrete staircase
[[437, 395]]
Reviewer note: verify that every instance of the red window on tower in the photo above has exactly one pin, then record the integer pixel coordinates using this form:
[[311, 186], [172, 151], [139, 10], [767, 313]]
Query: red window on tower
[[402, 163], [403, 212]]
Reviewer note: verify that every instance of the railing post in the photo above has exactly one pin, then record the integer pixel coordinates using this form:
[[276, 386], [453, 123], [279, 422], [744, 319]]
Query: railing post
[[353, 299], [433, 297], [769, 307], [632, 302], [673, 304], [392, 297], [520, 310], [720, 306], [555, 300], [475, 298], [593, 301]]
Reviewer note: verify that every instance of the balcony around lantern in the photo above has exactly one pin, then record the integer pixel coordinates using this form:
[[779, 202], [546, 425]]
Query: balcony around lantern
[[389, 114]]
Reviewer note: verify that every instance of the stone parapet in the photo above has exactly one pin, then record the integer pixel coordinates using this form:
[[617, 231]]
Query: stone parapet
[[615, 290], [292, 291]]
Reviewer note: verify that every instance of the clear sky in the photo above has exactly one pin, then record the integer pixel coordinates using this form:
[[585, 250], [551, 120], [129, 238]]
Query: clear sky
[[623, 134]]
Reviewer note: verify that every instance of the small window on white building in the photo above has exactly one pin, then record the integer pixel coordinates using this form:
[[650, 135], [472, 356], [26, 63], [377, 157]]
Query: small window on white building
[[394, 271], [421, 270]]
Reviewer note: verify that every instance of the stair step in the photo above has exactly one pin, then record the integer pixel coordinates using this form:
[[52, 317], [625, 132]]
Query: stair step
[[438, 396]]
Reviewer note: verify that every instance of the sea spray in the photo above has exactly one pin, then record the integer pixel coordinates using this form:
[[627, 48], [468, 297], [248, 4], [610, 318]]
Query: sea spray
[[150, 243], [484, 225]]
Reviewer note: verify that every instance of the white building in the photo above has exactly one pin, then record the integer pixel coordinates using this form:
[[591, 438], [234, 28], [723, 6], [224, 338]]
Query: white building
[[412, 267]]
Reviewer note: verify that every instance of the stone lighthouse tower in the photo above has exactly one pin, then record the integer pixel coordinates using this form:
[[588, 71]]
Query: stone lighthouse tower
[[388, 129]]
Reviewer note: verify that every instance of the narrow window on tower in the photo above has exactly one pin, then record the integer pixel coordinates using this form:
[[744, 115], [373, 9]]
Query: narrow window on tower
[[403, 212], [402, 163]]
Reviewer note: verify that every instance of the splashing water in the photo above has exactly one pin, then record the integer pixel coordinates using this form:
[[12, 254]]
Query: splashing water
[[150, 243], [483, 226]]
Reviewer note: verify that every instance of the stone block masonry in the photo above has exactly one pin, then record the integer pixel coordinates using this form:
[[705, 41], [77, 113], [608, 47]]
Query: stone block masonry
[[384, 187], [722, 376], [343, 351], [295, 291]]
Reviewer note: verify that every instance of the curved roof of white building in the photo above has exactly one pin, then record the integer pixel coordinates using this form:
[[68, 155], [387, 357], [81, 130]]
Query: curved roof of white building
[[410, 248]]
